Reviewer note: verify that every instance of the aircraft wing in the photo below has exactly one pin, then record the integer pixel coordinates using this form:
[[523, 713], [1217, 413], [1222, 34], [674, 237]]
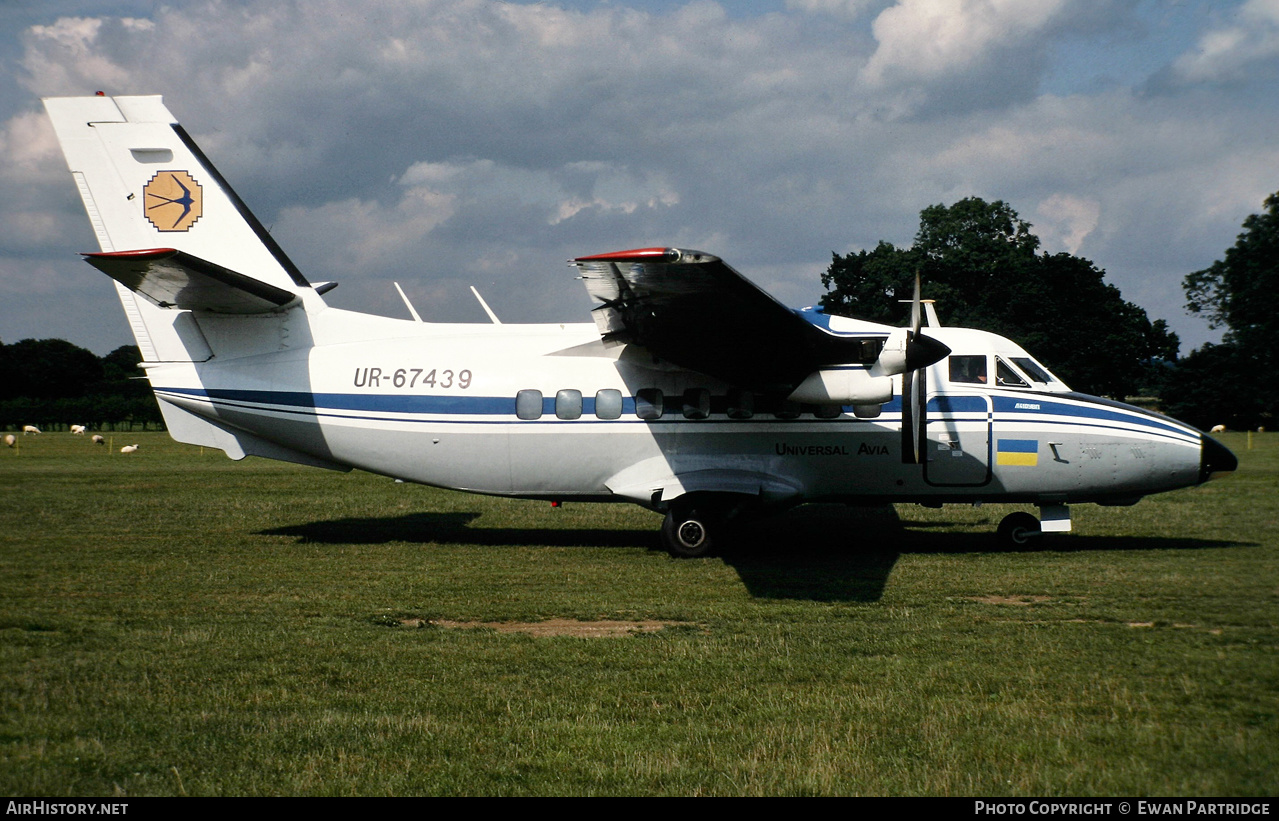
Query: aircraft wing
[[693, 310], [175, 279]]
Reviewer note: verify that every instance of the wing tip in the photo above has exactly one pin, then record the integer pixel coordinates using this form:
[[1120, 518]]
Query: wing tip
[[140, 254], [655, 255], [634, 255]]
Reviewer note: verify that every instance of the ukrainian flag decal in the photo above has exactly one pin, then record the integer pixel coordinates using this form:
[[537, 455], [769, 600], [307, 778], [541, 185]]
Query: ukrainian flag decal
[[1017, 452]]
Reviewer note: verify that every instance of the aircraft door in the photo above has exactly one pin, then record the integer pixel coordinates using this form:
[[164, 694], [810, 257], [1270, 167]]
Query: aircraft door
[[958, 441]]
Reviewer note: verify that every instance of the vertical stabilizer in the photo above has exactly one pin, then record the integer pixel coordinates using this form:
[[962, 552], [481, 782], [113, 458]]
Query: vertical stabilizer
[[172, 233]]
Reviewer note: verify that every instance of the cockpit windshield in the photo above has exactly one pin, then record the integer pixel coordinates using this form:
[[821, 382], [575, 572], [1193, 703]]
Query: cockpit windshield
[[1006, 377], [980, 360], [1017, 372], [1033, 369]]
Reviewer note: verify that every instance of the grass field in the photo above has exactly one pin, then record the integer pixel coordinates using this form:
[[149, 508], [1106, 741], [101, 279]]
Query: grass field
[[172, 622]]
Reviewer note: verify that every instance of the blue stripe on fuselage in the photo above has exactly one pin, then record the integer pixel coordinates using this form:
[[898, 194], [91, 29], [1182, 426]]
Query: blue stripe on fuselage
[[1082, 406], [1089, 411]]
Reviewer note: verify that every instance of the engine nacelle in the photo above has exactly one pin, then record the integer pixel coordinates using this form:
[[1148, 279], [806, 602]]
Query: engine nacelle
[[892, 359], [843, 386]]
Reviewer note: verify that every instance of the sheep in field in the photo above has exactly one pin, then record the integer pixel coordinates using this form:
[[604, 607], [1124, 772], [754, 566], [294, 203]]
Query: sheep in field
[[10, 440], [30, 429], [98, 440], [78, 430], [1218, 429], [129, 449]]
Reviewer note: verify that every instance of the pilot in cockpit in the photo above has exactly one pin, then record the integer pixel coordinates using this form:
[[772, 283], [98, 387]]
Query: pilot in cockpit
[[968, 368]]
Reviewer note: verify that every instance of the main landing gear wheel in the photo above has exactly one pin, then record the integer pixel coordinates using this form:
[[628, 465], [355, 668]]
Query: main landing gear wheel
[[688, 533], [1018, 530]]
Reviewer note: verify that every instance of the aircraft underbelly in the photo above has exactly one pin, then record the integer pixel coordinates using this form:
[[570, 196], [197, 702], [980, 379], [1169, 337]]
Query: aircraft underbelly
[[639, 462], [454, 456]]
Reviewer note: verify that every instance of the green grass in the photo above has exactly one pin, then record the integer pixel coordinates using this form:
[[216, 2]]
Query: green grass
[[172, 622]]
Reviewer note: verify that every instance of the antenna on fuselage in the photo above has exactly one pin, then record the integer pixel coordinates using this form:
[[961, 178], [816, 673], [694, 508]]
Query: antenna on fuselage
[[407, 304], [486, 307], [930, 313]]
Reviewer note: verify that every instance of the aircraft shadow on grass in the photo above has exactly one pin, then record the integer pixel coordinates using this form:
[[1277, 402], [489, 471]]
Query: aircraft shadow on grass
[[827, 553], [455, 528]]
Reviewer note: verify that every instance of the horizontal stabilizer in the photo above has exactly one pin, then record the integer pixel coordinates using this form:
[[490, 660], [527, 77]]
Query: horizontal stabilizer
[[175, 279]]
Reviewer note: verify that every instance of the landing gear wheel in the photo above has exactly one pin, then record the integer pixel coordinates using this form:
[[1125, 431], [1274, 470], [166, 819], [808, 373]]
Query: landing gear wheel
[[1018, 530], [687, 533]]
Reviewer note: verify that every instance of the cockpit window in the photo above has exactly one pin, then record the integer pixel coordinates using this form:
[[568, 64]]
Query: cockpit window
[[1006, 377], [1033, 369], [968, 368]]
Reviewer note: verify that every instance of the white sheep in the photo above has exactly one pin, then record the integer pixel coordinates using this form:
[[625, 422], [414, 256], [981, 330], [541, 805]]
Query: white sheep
[[1218, 429], [98, 440], [129, 449], [30, 429], [78, 430], [10, 440]]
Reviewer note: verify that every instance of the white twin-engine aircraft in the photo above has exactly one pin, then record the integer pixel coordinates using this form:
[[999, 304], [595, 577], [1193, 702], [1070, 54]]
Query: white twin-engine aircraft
[[693, 393]]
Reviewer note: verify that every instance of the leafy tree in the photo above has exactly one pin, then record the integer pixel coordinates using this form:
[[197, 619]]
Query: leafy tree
[[51, 383], [122, 363], [1238, 293], [982, 264], [47, 369], [1203, 390]]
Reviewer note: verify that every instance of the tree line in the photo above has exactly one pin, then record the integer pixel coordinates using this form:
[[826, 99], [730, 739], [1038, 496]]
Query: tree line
[[983, 265], [52, 384], [1235, 382]]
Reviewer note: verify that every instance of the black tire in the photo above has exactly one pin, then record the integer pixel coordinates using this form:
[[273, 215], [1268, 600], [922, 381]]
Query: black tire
[[689, 534], [1018, 531]]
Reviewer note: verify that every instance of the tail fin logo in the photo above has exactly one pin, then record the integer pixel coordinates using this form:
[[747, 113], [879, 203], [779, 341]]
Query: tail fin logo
[[172, 201]]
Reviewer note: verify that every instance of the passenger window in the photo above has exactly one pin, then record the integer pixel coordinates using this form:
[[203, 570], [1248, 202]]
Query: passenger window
[[528, 404], [568, 404], [1006, 377], [697, 403], [741, 404], [968, 369], [608, 404], [648, 403]]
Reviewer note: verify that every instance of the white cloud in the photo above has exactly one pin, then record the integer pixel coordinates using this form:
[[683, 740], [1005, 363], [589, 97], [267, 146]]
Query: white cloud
[[75, 39], [1064, 221], [842, 9], [922, 40], [443, 144], [1228, 53]]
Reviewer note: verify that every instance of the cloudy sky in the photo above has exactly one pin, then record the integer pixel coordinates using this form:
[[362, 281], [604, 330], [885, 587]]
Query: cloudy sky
[[448, 143]]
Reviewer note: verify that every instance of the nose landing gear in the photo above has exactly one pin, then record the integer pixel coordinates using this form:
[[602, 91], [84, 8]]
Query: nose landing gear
[[1019, 530]]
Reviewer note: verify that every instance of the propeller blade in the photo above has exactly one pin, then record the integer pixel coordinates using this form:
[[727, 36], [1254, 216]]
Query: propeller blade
[[916, 314], [920, 417], [908, 419], [920, 352], [914, 416]]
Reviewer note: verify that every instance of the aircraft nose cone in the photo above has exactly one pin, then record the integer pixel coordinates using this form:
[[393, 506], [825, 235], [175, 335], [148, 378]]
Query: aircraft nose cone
[[1214, 459]]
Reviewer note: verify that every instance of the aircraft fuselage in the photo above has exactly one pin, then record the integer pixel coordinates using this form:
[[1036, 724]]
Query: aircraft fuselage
[[442, 405]]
